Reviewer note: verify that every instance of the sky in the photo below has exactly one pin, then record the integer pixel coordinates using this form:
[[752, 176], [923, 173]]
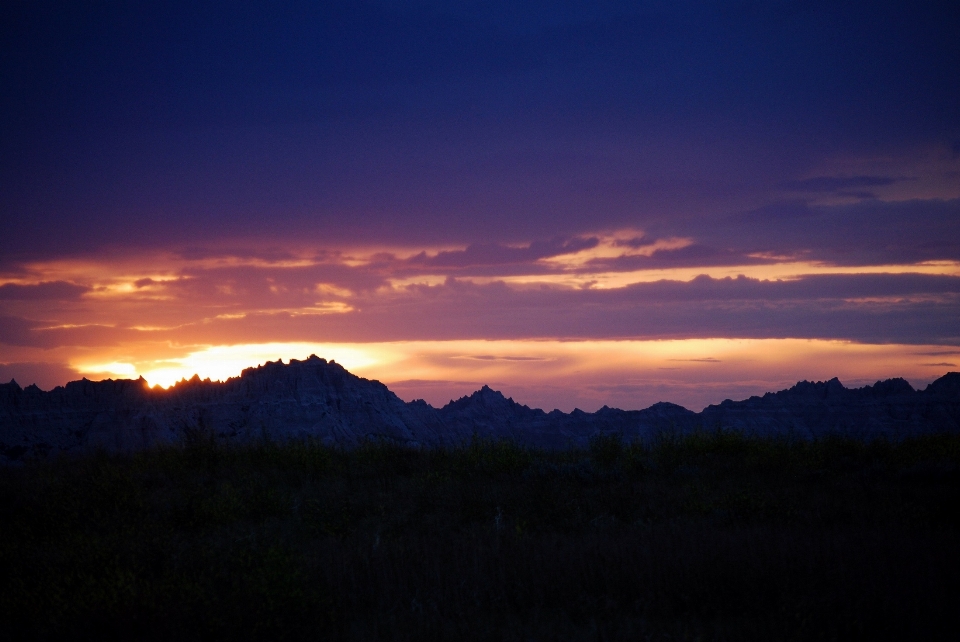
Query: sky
[[577, 203]]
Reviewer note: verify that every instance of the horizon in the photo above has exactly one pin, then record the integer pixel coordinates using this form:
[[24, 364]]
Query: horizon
[[585, 204], [187, 381]]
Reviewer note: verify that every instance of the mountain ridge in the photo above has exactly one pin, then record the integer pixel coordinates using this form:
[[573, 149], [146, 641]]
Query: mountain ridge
[[317, 399]]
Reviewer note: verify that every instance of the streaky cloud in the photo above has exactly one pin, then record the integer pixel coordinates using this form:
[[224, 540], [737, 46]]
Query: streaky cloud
[[837, 183]]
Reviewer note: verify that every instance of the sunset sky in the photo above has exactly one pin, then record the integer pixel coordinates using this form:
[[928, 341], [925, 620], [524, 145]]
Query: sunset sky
[[576, 203]]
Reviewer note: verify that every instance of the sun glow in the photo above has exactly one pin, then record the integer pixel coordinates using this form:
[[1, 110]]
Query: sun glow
[[113, 368], [219, 363], [568, 374]]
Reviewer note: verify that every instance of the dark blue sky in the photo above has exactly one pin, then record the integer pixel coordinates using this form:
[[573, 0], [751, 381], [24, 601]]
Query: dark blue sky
[[458, 122]]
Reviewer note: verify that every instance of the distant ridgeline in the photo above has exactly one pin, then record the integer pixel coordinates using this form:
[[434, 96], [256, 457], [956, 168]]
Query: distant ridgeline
[[316, 399]]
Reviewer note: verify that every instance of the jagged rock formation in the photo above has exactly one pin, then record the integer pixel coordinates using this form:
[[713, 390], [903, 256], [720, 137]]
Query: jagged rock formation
[[890, 409], [488, 413], [274, 402], [320, 400]]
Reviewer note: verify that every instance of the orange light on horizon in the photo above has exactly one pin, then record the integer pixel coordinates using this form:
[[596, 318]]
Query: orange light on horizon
[[585, 374]]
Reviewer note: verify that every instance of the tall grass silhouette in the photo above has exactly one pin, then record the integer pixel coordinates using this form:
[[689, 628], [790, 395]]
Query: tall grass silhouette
[[710, 536]]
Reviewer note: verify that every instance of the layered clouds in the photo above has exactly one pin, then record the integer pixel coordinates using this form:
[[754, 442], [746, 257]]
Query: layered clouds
[[619, 316]]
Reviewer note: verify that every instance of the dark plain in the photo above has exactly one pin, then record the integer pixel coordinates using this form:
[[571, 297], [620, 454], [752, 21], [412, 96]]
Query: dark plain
[[709, 537]]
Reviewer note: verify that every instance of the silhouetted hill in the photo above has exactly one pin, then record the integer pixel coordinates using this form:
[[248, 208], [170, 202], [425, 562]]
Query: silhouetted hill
[[321, 400], [891, 409]]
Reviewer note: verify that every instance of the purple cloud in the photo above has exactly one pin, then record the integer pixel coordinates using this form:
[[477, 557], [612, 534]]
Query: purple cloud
[[898, 308], [16, 331], [838, 183], [61, 290], [484, 254], [865, 233]]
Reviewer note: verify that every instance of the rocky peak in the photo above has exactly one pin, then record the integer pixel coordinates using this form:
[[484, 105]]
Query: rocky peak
[[948, 385], [665, 409], [890, 408], [805, 390], [889, 387], [835, 390], [490, 397], [485, 397], [9, 392]]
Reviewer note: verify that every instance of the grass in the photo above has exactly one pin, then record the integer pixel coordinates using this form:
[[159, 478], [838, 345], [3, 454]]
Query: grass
[[710, 537]]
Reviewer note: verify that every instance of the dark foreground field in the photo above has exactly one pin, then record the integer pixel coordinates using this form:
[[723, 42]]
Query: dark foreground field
[[711, 537]]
